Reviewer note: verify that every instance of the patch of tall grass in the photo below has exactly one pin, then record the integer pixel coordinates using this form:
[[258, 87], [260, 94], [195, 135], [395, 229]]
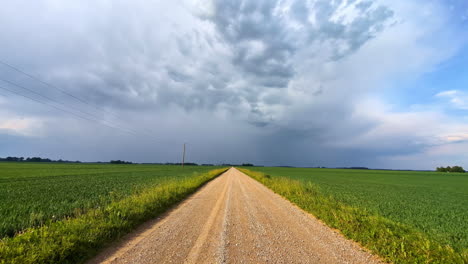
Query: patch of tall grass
[[393, 241], [75, 239]]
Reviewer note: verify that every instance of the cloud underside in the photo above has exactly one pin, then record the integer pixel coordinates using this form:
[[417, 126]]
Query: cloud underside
[[290, 81]]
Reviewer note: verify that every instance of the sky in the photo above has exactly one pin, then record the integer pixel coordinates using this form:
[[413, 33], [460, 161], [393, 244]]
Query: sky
[[380, 84]]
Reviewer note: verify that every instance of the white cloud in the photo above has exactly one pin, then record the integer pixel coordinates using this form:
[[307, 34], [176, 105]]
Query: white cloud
[[299, 71], [201, 8], [28, 127], [456, 137], [457, 99]]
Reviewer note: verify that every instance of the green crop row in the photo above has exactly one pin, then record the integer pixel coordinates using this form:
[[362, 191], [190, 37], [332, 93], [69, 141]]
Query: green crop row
[[77, 238], [393, 241], [430, 202], [34, 194]]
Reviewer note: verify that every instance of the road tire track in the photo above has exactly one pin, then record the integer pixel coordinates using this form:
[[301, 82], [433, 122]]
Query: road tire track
[[235, 219]]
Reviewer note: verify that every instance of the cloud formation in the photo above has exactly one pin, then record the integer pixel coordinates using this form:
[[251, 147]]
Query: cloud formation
[[271, 82], [457, 99]]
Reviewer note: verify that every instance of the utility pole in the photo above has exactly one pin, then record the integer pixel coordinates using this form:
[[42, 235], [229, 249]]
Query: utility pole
[[183, 157]]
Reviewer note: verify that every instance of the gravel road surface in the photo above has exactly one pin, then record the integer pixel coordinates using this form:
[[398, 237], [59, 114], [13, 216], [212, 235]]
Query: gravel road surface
[[235, 219]]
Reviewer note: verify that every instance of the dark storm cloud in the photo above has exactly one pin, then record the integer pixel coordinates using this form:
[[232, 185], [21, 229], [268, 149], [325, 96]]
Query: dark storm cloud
[[245, 24], [129, 64], [242, 23], [267, 36], [275, 82]]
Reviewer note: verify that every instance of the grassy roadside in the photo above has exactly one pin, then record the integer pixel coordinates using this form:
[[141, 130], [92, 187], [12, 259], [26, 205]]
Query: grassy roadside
[[392, 241], [34, 194], [76, 239]]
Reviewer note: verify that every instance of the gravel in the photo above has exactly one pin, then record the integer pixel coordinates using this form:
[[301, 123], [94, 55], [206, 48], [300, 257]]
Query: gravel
[[235, 219]]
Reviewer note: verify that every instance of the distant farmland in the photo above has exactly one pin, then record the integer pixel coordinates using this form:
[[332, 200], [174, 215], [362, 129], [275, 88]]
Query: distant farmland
[[429, 203], [65, 213], [46, 209]]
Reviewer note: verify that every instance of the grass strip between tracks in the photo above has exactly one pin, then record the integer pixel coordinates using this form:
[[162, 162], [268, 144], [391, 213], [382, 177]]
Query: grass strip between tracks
[[76, 239], [393, 241]]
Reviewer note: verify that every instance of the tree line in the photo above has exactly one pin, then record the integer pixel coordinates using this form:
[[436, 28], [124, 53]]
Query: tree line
[[39, 159], [450, 169], [34, 159], [120, 162]]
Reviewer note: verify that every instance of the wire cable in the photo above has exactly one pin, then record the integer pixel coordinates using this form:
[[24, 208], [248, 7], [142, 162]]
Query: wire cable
[[147, 132], [48, 98], [55, 87], [69, 112], [95, 118]]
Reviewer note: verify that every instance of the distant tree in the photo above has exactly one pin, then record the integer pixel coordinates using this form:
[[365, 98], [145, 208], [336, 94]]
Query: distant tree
[[457, 169], [247, 164], [180, 164], [450, 169], [38, 159], [32, 159], [120, 162]]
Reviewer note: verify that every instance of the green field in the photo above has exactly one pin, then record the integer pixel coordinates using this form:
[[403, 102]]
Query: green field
[[64, 213], [430, 203], [52, 212]]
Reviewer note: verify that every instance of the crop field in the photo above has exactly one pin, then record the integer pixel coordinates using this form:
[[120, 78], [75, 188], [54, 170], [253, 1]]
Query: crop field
[[429, 203], [48, 196], [34, 193]]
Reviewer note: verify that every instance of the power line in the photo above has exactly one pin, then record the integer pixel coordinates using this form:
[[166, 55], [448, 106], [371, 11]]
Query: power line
[[183, 157], [147, 132], [95, 118], [69, 112], [54, 87], [48, 98]]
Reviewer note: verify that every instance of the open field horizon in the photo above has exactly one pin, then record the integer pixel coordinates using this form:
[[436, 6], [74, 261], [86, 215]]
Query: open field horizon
[[430, 202], [37, 195], [41, 160], [338, 129]]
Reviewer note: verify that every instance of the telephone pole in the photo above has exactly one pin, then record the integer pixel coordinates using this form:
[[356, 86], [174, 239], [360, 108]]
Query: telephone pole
[[183, 157]]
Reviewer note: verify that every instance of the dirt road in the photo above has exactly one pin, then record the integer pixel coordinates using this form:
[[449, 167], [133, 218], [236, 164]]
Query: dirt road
[[235, 219]]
